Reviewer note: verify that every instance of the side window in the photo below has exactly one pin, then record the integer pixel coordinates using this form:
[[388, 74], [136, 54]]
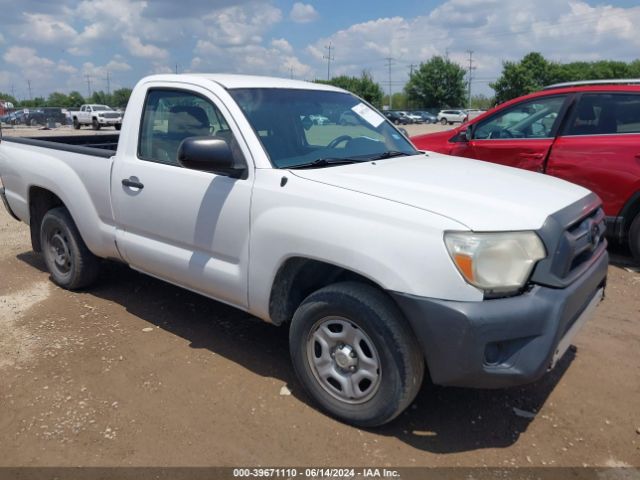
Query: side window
[[605, 114], [170, 116], [532, 119]]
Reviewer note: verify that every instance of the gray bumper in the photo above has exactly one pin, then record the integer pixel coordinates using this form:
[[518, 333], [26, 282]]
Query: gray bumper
[[502, 342]]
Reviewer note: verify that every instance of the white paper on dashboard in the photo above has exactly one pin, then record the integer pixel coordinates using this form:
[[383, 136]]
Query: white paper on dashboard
[[368, 114]]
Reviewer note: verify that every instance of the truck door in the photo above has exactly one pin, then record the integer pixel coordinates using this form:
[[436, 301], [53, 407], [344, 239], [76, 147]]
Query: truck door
[[518, 136], [599, 147], [185, 226]]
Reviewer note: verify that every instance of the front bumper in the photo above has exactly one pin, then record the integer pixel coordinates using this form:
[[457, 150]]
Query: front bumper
[[502, 342], [109, 121]]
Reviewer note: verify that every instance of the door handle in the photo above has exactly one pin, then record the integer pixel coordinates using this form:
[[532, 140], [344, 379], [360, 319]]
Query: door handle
[[533, 156], [127, 182]]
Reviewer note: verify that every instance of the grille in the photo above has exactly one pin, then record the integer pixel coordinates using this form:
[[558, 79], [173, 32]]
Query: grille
[[579, 243], [574, 238], [111, 115]]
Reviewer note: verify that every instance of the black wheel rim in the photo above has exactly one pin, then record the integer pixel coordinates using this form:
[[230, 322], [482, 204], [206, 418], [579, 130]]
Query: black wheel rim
[[59, 251]]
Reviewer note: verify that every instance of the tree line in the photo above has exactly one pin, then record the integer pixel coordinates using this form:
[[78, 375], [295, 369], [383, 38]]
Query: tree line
[[116, 99], [436, 83], [441, 83]]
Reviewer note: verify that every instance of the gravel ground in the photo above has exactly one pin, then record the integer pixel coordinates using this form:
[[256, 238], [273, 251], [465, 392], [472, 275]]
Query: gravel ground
[[138, 372]]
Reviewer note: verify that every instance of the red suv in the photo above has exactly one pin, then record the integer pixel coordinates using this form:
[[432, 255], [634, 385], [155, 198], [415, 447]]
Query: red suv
[[585, 132]]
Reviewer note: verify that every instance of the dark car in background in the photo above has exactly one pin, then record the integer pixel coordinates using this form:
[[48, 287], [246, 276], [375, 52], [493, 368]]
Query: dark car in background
[[427, 117], [396, 117]]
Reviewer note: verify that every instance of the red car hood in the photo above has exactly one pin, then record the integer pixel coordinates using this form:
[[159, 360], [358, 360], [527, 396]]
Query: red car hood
[[435, 142]]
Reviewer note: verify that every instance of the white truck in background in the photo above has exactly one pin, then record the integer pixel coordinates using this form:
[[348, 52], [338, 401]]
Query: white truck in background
[[96, 116], [384, 260]]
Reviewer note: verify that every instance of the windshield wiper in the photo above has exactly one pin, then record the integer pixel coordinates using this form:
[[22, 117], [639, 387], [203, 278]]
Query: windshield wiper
[[389, 154], [324, 162]]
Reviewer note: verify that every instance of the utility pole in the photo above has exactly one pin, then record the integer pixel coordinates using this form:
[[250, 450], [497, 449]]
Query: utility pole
[[470, 77], [29, 86], [108, 84], [88, 77], [328, 58], [411, 67], [13, 91], [291, 72], [176, 68], [389, 63]]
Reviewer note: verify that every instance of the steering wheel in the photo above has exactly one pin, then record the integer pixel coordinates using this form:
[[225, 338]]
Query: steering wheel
[[336, 141], [504, 133]]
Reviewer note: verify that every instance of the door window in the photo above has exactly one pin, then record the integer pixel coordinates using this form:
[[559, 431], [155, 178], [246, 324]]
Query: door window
[[532, 119], [605, 114], [170, 116]]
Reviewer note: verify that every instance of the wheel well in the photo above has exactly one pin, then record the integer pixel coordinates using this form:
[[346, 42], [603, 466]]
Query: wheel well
[[297, 278], [41, 201], [629, 212]]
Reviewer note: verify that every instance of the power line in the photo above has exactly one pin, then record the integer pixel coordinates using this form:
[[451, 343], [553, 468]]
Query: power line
[[328, 58], [389, 63], [470, 78], [88, 77]]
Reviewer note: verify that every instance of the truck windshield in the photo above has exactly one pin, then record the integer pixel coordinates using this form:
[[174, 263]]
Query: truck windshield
[[101, 108], [316, 129]]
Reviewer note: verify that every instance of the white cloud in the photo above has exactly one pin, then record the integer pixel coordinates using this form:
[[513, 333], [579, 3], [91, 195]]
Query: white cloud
[[26, 58], [241, 25], [303, 13], [139, 49], [46, 29], [1, 38], [282, 45], [495, 30]]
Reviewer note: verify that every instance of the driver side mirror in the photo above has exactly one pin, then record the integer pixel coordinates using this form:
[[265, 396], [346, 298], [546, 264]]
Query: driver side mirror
[[464, 135], [209, 154]]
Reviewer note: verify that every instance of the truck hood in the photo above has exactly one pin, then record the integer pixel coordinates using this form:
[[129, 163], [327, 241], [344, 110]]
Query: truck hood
[[480, 195]]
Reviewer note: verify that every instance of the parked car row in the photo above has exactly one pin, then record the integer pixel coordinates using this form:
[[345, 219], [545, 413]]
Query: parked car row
[[400, 117], [34, 116], [587, 133]]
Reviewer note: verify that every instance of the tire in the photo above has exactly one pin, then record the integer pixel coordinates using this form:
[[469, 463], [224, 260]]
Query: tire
[[370, 337], [443, 121], [634, 238], [76, 124], [71, 264], [33, 122], [95, 124], [118, 126], [427, 121]]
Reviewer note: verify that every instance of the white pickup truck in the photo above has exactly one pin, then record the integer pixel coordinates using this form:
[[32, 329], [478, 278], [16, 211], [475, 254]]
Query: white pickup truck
[[385, 261], [96, 116]]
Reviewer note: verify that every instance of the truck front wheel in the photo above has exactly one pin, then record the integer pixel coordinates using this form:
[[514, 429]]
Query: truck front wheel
[[71, 264], [95, 124], [355, 354]]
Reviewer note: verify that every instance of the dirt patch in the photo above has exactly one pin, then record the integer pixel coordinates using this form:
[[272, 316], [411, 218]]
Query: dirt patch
[[17, 342]]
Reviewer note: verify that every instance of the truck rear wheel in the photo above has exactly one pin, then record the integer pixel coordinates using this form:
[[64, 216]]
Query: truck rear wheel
[[634, 238], [355, 354], [76, 124], [71, 264]]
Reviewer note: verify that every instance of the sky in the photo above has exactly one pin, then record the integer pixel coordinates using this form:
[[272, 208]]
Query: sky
[[88, 45]]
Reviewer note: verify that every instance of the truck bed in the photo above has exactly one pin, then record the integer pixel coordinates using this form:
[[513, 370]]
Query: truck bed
[[96, 145]]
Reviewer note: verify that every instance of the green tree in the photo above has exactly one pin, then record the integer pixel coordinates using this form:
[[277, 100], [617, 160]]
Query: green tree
[[528, 75], [482, 102], [36, 102], [5, 97], [120, 97], [363, 86], [437, 83], [76, 99], [57, 99]]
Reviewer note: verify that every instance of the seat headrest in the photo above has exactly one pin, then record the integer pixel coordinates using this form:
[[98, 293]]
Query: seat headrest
[[188, 119], [585, 110]]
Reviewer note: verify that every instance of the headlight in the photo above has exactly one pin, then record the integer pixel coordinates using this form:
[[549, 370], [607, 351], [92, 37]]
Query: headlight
[[495, 262]]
